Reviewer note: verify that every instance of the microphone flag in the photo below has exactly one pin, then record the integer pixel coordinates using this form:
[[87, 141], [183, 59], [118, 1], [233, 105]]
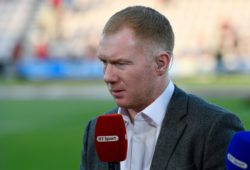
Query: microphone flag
[[110, 138], [238, 152]]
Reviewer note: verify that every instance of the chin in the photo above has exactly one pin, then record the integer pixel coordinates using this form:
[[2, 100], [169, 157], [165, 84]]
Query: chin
[[122, 103]]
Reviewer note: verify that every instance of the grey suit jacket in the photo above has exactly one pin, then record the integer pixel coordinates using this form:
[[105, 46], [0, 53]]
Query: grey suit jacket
[[194, 136]]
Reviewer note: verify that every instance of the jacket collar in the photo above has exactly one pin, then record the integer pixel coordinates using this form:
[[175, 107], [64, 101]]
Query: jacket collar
[[172, 129]]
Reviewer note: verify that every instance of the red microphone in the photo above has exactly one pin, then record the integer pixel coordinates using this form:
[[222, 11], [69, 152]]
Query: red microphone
[[110, 139]]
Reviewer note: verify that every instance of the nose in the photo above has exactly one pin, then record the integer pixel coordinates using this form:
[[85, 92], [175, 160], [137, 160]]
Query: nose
[[110, 75]]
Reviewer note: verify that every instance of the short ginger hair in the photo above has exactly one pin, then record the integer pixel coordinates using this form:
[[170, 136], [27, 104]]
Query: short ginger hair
[[147, 24]]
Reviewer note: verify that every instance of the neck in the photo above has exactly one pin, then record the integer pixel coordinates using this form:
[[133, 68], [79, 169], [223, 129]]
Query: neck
[[131, 112]]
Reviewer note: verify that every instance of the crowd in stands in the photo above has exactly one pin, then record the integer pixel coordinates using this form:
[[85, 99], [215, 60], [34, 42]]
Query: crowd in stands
[[211, 35]]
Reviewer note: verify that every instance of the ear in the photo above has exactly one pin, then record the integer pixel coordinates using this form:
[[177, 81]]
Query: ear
[[162, 62]]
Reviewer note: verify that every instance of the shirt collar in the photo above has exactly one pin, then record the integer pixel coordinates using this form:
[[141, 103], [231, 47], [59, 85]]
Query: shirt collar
[[156, 110]]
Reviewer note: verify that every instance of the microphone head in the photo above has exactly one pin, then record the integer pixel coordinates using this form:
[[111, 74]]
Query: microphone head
[[110, 138], [238, 153]]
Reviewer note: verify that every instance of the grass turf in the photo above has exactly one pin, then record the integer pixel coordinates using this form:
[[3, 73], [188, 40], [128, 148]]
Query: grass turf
[[47, 134], [44, 134]]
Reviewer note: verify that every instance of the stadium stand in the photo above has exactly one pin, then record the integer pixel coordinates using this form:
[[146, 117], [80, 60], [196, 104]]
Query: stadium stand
[[70, 29]]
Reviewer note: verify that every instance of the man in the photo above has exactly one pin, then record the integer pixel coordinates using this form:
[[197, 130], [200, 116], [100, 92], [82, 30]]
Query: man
[[167, 129]]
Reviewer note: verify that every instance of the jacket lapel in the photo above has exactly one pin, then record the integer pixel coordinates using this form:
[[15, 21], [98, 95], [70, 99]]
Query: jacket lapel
[[173, 127]]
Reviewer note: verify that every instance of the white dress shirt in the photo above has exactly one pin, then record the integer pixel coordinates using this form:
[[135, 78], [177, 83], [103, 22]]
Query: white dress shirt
[[142, 135]]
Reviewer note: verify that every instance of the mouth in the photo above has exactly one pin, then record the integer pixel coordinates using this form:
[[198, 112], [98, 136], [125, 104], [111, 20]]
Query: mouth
[[117, 93]]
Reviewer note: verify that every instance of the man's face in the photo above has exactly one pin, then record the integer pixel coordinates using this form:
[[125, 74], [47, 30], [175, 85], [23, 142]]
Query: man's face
[[128, 73]]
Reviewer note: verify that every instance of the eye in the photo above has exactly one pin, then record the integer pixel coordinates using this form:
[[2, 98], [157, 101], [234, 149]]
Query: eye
[[122, 64], [104, 62]]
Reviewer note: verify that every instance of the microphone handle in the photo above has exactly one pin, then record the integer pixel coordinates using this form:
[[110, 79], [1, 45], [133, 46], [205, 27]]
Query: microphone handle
[[114, 165]]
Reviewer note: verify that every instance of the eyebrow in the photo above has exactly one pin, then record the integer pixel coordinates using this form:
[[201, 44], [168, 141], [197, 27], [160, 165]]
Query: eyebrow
[[114, 61], [102, 58]]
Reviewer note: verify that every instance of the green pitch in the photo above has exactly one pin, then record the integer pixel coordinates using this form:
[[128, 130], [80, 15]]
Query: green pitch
[[44, 134], [47, 134]]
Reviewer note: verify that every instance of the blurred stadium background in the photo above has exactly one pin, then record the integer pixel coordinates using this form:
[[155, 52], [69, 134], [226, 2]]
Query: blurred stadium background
[[50, 78]]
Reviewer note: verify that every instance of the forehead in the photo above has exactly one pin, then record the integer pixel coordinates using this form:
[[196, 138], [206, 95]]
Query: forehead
[[118, 43]]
